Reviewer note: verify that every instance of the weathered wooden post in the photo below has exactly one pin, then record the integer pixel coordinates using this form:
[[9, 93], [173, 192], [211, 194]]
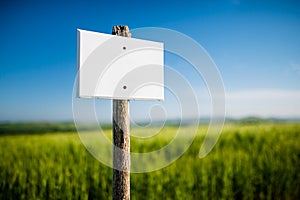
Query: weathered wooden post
[[121, 139], [120, 69]]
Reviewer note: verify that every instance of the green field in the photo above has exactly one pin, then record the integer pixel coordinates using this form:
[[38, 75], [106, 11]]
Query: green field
[[250, 161]]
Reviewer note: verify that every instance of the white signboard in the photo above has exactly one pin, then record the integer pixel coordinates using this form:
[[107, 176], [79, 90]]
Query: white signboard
[[116, 67]]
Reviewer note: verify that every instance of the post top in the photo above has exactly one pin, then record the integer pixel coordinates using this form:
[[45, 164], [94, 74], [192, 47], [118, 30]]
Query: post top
[[121, 30]]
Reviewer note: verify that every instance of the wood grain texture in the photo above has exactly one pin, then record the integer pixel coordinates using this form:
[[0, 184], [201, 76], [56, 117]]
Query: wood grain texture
[[121, 139]]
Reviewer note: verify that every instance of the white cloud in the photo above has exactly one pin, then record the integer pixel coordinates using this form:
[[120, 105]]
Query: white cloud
[[264, 103]]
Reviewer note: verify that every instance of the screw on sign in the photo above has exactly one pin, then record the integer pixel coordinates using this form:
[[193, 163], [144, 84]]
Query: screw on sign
[[121, 69]]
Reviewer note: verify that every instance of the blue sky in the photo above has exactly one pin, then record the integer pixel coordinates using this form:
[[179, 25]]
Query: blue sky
[[255, 45]]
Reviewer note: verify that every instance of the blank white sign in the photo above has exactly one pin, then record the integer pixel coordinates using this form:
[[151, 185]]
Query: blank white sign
[[116, 67]]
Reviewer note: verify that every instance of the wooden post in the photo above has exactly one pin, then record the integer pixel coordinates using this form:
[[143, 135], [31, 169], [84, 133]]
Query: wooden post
[[121, 139]]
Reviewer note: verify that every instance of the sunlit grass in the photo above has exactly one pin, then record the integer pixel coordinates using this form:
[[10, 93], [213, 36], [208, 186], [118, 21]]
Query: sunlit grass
[[249, 162]]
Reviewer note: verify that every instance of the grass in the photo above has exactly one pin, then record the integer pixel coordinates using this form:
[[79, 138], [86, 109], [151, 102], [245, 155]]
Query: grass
[[256, 161]]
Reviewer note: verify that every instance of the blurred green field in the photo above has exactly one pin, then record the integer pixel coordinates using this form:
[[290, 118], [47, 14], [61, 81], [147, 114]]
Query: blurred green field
[[250, 161]]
